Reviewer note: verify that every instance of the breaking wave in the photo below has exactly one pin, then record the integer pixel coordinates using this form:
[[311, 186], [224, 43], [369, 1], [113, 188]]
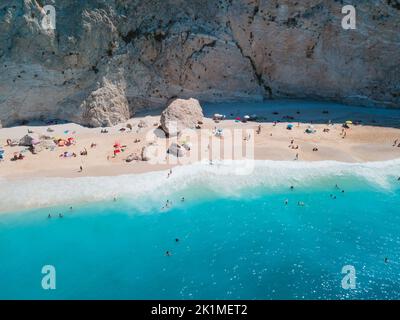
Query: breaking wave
[[221, 179]]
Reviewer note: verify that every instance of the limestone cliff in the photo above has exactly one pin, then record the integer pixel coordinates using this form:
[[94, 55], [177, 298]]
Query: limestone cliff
[[106, 59]]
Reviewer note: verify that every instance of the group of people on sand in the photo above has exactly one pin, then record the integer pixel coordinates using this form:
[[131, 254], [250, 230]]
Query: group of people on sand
[[68, 154], [17, 157], [293, 146]]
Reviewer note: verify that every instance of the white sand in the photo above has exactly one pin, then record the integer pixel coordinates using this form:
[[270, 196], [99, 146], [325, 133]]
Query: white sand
[[362, 143]]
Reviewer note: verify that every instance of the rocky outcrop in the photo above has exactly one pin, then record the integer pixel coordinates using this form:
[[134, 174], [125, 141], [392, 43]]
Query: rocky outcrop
[[181, 114], [155, 50], [176, 150], [29, 140], [105, 107]]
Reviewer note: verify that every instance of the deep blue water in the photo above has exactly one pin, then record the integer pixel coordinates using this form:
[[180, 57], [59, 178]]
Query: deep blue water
[[229, 248]]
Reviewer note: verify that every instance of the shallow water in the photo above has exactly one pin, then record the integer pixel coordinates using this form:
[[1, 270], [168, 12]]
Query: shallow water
[[242, 245]]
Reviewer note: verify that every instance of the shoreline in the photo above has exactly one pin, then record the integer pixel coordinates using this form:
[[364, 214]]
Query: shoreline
[[150, 189]]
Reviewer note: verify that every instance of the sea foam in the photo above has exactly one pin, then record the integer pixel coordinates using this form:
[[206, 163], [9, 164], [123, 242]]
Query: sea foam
[[224, 179]]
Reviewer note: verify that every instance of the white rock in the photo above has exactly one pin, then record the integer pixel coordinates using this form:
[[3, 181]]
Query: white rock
[[181, 114]]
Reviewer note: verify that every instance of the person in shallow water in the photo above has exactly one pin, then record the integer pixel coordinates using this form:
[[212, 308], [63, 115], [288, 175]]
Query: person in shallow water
[[168, 254], [49, 216], [60, 215]]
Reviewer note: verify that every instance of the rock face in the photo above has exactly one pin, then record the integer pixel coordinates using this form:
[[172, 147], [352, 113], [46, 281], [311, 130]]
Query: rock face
[[212, 50], [181, 114]]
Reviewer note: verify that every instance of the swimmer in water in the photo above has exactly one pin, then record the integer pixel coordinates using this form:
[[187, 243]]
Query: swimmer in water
[[291, 188], [168, 254], [286, 202], [49, 216], [176, 240], [183, 199], [60, 215], [300, 203], [386, 260]]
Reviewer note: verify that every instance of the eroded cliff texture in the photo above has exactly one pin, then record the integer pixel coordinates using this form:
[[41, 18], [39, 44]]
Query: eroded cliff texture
[[107, 59]]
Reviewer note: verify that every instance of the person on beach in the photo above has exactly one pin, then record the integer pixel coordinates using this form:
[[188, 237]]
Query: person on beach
[[80, 169], [395, 142], [297, 157]]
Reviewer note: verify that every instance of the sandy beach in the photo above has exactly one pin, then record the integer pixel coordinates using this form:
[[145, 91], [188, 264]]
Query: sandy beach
[[364, 142]]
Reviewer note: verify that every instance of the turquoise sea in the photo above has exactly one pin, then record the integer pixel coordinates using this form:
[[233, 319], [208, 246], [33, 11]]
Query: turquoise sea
[[235, 242]]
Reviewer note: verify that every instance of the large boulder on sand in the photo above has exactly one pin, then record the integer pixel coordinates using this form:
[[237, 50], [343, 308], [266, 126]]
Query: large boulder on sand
[[181, 114], [29, 140], [105, 107], [176, 150]]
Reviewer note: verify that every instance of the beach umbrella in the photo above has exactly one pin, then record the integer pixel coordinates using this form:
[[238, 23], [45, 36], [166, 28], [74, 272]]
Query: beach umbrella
[[289, 126], [349, 122]]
